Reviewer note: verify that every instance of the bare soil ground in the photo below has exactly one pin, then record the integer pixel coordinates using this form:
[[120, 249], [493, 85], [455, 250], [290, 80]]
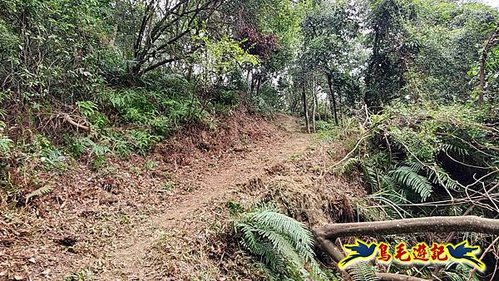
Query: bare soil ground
[[166, 216]]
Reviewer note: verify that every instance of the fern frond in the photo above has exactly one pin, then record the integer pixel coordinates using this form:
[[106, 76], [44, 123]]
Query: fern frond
[[449, 147], [283, 244], [408, 177], [296, 231], [370, 175], [363, 272], [39, 192], [5, 144], [460, 272], [348, 165], [438, 176], [415, 166]]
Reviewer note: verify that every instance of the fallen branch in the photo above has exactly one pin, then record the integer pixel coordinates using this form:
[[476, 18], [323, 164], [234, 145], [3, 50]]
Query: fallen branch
[[416, 225], [70, 120]]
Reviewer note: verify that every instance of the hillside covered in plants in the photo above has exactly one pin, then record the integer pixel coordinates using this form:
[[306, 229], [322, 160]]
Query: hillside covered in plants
[[248, 139]]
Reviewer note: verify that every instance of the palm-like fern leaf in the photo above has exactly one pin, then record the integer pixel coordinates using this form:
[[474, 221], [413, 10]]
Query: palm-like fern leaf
[[282, 243], [406, 176], [363, 272]]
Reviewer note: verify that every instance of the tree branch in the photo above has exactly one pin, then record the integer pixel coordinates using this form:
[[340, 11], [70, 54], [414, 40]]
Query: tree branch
[[416, 225]]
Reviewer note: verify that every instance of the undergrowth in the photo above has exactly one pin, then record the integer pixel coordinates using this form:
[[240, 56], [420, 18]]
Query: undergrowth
[[282, 244], [424, 160]]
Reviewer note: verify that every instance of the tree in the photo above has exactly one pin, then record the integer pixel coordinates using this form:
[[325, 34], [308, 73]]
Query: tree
[[491, 42], [444, 33], [330, 38], [168, 31], [384, 77]]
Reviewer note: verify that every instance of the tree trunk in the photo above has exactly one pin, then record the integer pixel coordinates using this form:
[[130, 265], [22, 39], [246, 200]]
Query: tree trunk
[[305, 108], [332, 98], [252, 86], [340, 113], [258, 84], [314, 107]]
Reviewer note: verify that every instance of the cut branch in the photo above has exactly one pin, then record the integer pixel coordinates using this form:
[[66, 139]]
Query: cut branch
[[417, 225]]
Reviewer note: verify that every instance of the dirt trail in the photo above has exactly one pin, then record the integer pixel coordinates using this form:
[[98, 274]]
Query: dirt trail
[[126, 260]]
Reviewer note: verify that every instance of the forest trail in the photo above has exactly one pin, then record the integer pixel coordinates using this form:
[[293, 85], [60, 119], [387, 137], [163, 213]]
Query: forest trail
[[127, 259]]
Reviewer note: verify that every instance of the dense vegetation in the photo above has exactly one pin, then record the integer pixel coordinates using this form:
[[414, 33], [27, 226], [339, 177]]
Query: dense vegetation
[[408, 86]]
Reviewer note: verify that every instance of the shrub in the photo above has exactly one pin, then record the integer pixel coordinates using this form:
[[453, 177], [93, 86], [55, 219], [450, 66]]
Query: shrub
[[412, 154]]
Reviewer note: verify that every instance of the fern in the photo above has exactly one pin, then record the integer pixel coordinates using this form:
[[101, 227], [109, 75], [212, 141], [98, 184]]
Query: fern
[[5, 145], [449, 147], [282, 243], [348, 165], [39, 192], [460, 272], [408, 177], [438, 176], [87, 108], [363, 272]]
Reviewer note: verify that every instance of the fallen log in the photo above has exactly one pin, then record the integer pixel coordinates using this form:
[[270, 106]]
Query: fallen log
[[416, 225]]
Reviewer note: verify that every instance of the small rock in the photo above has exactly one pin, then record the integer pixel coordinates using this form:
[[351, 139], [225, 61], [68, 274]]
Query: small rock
[[32, 260]]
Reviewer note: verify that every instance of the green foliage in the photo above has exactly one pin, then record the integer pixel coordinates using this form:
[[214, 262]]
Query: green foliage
[[267, 102], [226, 54], [449, 34], [460, 272], [409, 178], [42, 39], [225, 100], [418, 153], [282, 243], [160, 112], [363, 272], [386, 67], [50, 156], [91, 111], [5, 143]]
